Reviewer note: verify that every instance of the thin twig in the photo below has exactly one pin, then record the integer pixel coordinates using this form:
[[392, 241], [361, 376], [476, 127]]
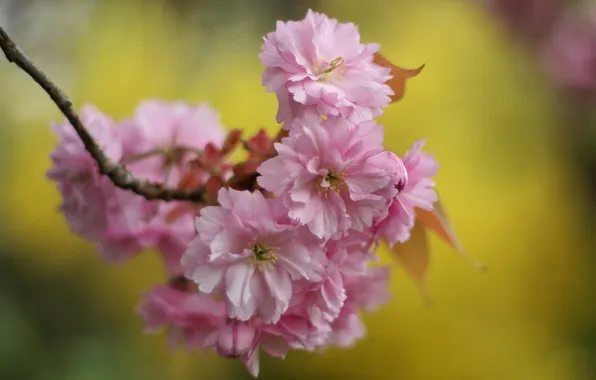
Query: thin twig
[[119, 175]]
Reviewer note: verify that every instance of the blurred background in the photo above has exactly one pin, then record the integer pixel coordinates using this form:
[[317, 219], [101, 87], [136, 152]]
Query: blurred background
[[506, 102]]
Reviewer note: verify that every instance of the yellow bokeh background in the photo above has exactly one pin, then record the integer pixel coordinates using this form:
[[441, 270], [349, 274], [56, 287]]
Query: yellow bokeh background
[[511, 193]]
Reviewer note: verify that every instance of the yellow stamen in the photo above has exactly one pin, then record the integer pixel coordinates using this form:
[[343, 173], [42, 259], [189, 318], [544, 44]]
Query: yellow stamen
[[331, 72], [264, 256], [337, 62], [336, 183]]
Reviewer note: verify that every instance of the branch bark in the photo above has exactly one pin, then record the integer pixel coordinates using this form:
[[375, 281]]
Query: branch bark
[[117, 173]]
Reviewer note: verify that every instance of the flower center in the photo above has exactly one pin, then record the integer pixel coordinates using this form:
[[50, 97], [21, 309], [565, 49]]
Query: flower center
[[328, 71], [400, 186], [263, 255], [331, 181]]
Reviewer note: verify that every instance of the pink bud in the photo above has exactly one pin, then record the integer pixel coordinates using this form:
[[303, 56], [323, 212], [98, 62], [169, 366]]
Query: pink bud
[[235, 339]]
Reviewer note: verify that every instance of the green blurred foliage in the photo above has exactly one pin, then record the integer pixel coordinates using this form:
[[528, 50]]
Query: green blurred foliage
[[514, 197]]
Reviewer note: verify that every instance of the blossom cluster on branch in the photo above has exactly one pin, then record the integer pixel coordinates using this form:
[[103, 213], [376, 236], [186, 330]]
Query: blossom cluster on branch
[[277, 254]]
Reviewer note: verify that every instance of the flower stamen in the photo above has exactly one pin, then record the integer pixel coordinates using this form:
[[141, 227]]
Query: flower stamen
[[332, 71], [263, 256], [335, 181]]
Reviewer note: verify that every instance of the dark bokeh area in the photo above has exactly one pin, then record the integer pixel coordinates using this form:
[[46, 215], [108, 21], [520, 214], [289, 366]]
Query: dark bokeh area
[[506, 101]]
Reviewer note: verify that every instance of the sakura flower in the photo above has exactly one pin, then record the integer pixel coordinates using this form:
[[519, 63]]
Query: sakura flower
[[159, 141], [298, 331], [83, 206], [347, 328], [192, 319], [415, 190], [133, 223], [248, 251], [75, 171], [324, 299], [200, 322], [337, 175], [293, 330], [569, 54], [283, 267], [235, 338], [156, 145], [126, 216], [320, 64], [170, 231], [244, 339], [529, 18], [367, 291], [71, 161], [162, 136]]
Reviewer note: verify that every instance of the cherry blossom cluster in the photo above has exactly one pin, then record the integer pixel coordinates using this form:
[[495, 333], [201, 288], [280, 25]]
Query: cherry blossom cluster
[[280, 252]]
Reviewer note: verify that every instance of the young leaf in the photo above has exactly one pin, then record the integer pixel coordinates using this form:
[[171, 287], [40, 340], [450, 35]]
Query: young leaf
[[437, 221], [413, 255], [214, 183], [400, 76], [232, 139], [247, 167], [193, 177], [260, 145]]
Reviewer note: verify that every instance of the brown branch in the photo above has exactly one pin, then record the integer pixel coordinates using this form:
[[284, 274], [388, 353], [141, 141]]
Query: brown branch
[[119, 175]]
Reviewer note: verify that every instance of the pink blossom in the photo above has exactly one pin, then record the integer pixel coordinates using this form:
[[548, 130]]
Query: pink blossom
[[337, 176], [191, 318], [175, 130], [569, 54], [370, 289], [319, 63], [291, 331], [414, 191], [71, 161], [83, 205], [170, 230], [172, 133], [283, 267], [247, 251], [347, 328], [365, 291], [235, 338], [324, 299], [76, 172], [120, 222], [297, 330], [530, 18], [200, 322]]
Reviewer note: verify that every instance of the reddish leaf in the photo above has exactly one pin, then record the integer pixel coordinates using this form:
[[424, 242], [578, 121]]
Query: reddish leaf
[[232, 139], [400, 76], [212, 188], [181, 283], [281, 134], [211, 157], [438, 222], [413, 255], [246, 167], [192, 179], [244, 182], [259, 145]]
